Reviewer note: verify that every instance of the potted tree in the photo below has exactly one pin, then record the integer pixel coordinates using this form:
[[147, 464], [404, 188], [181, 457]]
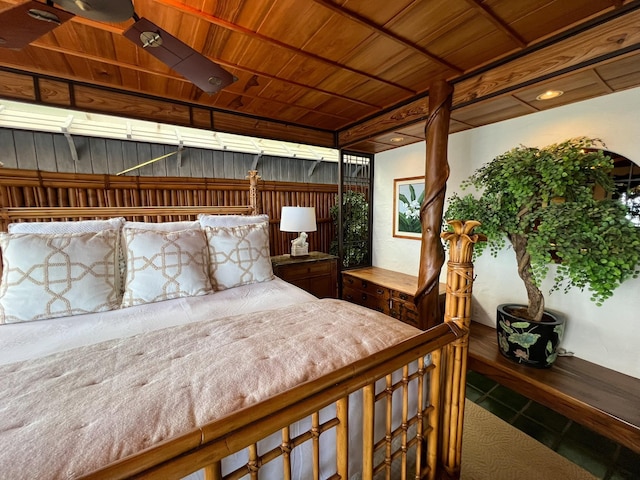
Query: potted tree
[[553, 205]]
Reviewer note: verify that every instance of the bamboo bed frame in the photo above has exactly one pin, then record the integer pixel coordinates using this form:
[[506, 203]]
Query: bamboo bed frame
[[427, 442], [433, 433]]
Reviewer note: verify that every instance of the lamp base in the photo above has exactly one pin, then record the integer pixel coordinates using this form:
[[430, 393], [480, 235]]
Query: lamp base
[[299, 251]]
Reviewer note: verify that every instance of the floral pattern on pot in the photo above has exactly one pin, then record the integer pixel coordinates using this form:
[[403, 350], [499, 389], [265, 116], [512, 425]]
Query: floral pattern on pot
[[530, 343]]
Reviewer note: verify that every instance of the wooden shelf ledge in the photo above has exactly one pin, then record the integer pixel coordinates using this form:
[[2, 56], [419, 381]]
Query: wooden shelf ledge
[[601, 399]]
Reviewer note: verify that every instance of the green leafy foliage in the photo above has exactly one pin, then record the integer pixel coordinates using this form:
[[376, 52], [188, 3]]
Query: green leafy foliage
[[355, 213], [546, 195]]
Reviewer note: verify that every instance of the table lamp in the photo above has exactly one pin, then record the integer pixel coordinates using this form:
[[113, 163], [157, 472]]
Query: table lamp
[[300, 220]]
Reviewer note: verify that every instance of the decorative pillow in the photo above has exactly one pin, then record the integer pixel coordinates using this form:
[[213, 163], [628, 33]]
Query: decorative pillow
[[57, 275], [239, 255], [164, 265], [80, 226], [77, 226], [231, 220], [164, 226]]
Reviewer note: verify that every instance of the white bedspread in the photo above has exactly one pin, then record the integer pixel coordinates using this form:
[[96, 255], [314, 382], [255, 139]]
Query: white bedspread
[[67, 413], [21, 341]]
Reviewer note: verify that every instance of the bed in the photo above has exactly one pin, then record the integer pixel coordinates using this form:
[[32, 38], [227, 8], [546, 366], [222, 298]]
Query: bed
[[184, 356]]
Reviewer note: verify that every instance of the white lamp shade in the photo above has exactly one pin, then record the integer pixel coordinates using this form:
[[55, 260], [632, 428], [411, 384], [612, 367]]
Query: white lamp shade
[[298, 219]]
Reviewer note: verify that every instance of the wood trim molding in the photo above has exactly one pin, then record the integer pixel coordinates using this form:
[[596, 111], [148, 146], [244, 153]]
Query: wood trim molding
[[18, 85], [599, 43]]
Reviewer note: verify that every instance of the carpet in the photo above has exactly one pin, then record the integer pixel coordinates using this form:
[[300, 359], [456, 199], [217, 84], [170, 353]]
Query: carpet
[[494, 450]]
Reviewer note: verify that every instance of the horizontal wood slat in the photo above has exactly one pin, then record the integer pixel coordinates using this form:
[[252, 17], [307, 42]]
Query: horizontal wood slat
[[165, 198]]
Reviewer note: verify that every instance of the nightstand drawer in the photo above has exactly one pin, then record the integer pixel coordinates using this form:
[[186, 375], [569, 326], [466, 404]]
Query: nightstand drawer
[[317, 273], [374, 302], [402, 296], [305, 270], [365, 286], [405, 311]]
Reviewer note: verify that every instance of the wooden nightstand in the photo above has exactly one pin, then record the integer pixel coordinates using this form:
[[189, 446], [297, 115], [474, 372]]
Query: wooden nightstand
[[387, 291], [317, 273]]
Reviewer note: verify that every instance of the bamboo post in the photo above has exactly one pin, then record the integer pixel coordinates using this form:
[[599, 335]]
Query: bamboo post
[[457, 312], [342, 437], [253, 190], [431, 210]]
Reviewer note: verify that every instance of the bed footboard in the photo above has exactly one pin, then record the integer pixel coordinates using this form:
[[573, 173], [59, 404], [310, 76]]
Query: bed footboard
[[400, 439]]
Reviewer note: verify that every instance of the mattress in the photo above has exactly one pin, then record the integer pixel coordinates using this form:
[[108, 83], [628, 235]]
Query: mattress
[[22, 341], [83, 391]]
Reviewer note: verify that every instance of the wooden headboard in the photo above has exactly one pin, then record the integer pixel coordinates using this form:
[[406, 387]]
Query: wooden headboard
[[27, 195]]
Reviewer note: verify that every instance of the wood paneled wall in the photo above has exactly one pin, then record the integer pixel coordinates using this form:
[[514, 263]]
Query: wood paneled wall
[[37, 188]]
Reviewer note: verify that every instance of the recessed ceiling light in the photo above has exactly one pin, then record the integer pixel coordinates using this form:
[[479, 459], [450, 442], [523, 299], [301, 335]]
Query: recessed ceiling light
[[549, 94], [396, 139]]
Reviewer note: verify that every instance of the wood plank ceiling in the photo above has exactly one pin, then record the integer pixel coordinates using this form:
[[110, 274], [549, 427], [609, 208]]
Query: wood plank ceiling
[[352, 74]]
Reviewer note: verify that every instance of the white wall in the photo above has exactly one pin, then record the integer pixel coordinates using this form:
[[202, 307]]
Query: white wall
[[607, 335]]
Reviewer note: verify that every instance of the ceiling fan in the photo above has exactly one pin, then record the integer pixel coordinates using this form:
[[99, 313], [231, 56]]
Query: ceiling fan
[[26, 22]]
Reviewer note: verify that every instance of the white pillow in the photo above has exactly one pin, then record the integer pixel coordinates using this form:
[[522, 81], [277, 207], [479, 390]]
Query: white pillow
[[164, 265], [80, 226], [76, 226], [239, 255], [164, 226], [57, 275], [231, 220]]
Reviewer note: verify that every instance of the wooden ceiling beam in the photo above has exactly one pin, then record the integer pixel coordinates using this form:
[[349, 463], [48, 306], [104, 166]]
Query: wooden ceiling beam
[[114, 30], [388, 34], [136, 68], [503, 27], [55, 48], [600, 81], [526, 105], [578, 52], [272, 41]]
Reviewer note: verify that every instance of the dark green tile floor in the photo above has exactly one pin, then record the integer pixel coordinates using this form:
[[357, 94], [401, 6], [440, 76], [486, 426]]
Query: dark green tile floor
[[602, 457]]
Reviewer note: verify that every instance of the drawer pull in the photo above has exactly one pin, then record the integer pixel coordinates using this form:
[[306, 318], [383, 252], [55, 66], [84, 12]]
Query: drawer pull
[[364, 297], [349, 280], [380, 291], [403, 296], [348, 297], [364, 285]]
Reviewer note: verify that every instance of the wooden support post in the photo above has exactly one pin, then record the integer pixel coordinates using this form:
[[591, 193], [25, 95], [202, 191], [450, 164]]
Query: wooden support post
[[253, 191], [458, 313], [436, 175]]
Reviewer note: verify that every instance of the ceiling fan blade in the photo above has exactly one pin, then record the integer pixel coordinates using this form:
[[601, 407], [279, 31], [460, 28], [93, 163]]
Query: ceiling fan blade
[[99, 10], [194, 66], [24, 23]]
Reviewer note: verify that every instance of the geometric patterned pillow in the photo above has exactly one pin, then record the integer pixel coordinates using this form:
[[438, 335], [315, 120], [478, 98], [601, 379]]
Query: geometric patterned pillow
[[56, 275], [163, 226], [239, 255], [164, 265]]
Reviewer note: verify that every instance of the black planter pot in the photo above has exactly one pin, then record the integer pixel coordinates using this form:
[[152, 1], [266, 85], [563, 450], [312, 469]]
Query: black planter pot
[[530, 343]]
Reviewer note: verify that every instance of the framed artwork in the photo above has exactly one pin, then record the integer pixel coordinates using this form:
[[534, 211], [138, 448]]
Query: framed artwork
[[408, 194]]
